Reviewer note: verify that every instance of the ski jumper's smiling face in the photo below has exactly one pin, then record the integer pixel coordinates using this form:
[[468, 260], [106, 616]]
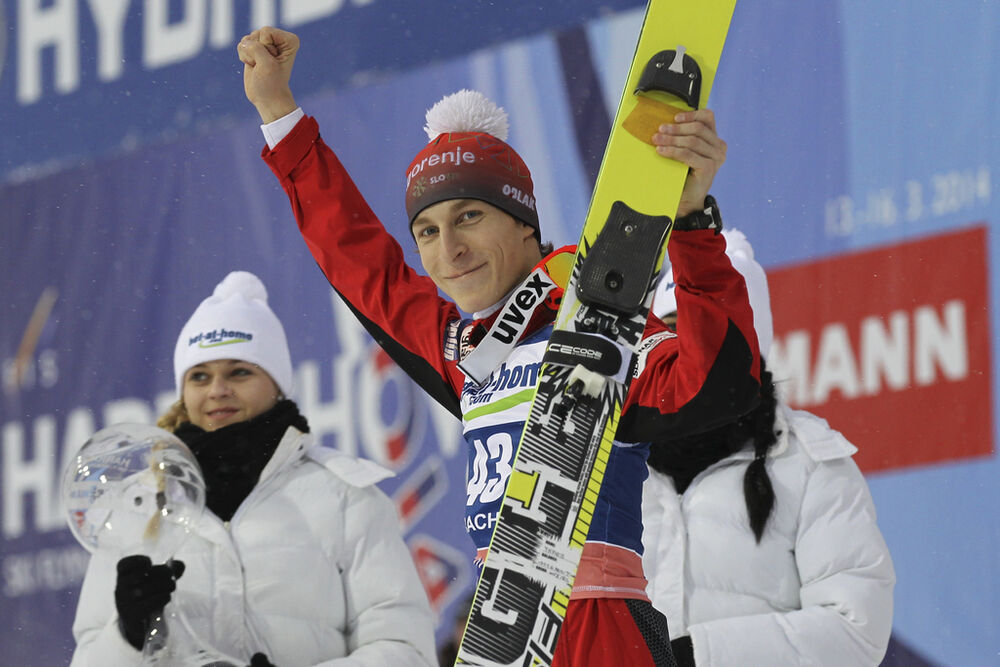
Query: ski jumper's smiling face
[[473, 251], [227, 391]]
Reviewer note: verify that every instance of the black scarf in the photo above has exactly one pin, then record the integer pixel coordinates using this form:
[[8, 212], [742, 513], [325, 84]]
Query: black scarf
[[232, 457], [683, 458]]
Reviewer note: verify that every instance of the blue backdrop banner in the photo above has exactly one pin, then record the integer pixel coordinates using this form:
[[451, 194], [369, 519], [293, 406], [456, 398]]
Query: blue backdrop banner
[[862, 155], [83, 78]]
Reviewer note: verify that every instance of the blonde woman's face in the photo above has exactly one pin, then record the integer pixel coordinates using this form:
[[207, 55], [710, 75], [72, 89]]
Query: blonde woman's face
[[227, 391]]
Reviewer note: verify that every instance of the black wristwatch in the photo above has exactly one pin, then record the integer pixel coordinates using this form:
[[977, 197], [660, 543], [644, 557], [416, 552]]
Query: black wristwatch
[[710, 218]]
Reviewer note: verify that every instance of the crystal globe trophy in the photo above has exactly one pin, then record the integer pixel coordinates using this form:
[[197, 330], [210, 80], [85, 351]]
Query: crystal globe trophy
[[137, 489]]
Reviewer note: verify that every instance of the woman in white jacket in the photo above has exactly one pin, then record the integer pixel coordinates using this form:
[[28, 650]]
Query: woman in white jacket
[[298, 559], [760, 537]]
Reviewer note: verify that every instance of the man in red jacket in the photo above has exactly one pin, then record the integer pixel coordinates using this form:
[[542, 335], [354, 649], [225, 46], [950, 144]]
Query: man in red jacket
[[469, 198]]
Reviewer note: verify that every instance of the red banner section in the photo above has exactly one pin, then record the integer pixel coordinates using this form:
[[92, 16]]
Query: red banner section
[[892, 347]]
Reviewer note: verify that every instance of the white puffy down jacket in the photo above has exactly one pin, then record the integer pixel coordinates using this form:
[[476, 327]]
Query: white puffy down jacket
[[312, 570], [817, 590]]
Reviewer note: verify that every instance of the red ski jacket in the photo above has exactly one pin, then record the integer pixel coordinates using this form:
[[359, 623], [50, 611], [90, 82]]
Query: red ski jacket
[[705, 375]]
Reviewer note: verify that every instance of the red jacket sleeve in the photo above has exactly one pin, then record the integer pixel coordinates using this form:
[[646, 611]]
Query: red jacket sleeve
[[401, 309], [709, 372]]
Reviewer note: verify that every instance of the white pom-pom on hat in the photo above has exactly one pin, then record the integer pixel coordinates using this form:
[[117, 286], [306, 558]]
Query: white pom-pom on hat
[[235, 322], [241, 282], [466, 111]]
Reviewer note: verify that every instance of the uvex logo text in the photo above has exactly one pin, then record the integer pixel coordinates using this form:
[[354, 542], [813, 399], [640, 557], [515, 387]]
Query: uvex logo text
[[513, 317]]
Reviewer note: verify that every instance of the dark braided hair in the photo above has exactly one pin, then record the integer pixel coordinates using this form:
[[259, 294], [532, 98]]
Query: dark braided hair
[[757, 488], [683, 458]]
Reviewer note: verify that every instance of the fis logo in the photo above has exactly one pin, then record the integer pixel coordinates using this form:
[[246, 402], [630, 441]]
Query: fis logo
[[20, 372]]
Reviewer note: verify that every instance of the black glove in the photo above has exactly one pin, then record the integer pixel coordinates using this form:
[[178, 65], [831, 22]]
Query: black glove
[[260, 660], [683, 651], [142, 590]]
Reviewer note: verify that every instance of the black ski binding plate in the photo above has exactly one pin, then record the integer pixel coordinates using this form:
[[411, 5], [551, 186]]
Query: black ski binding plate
[[617, 270], [674, 72], [572, 348]]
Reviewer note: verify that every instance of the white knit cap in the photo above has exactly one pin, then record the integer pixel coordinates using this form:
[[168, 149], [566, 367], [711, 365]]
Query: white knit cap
[[235, 323], [741, 255]]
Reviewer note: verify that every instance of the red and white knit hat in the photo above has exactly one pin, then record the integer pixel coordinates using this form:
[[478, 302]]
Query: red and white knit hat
[[468, 158]]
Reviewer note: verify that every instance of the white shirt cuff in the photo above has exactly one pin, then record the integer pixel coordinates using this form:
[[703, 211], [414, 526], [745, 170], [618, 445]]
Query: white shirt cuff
[[277, 130]]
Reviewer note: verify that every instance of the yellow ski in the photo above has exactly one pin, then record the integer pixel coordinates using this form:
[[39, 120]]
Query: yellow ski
[[524, 588]]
